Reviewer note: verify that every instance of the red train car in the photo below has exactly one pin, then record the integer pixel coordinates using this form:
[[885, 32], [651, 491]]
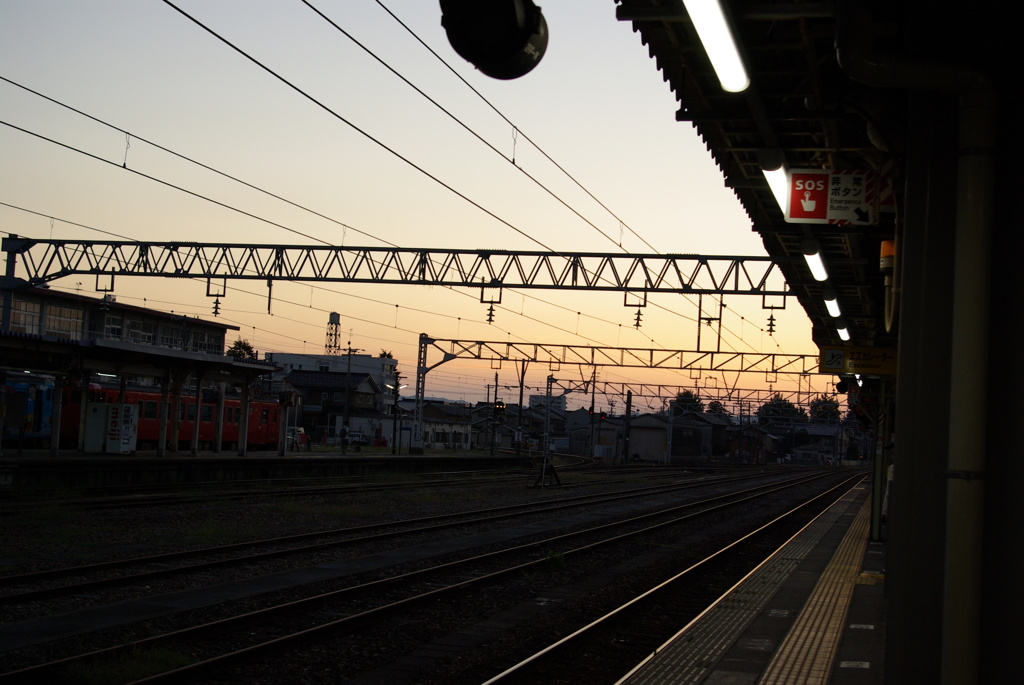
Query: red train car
[[264, 417]]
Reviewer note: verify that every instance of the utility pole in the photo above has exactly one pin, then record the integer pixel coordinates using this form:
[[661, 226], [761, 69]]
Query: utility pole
[[395, 433], [348, 380], [519, 420], [494, 418], [626, 428], [593, 409]]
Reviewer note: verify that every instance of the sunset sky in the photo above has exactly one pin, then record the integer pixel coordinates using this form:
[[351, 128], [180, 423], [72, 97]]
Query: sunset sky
[[384, 164]]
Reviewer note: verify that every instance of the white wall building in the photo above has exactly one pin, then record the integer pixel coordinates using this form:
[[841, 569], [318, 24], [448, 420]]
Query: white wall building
[[381, 369]]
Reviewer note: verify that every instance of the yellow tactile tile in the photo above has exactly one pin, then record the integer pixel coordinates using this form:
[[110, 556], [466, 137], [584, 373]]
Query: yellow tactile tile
[[805, 657]]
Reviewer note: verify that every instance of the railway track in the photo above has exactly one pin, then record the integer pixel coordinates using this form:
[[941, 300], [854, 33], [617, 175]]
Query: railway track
[[123, 497], [42, 585], [98, 498], [214, 645], [643, 624]]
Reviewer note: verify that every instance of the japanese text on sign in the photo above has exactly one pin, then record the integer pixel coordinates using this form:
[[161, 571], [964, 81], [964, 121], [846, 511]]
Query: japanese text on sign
[[817, 196], [867, 361]]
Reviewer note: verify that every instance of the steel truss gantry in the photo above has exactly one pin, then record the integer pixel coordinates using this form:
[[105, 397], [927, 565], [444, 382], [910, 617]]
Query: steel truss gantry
[[729, 397], [46, 260], [556, 355]]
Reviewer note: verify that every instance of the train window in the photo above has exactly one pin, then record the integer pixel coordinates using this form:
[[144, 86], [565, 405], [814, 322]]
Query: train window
[[263, 416], [206, 412], [152, 410]]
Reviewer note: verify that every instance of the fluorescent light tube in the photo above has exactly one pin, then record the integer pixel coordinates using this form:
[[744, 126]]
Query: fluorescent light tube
[[719, 44], [831, 303], [779, 185], [812, 254]]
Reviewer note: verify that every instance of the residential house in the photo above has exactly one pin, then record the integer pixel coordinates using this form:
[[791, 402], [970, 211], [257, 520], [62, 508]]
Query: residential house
[[328, 400], [446, 425], [699, 436], [648, 439]]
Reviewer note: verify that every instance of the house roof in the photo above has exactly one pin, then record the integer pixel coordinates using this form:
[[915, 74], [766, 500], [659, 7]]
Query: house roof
[[713, 419]]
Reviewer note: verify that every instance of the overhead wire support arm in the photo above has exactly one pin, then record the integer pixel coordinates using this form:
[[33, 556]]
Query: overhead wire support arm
[[585, 355], [40, 261]]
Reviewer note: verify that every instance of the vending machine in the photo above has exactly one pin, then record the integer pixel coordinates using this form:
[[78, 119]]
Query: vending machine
[[111, 428]]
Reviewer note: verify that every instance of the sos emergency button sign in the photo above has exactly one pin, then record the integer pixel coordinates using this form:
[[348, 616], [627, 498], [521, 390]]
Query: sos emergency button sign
[[818, 196]]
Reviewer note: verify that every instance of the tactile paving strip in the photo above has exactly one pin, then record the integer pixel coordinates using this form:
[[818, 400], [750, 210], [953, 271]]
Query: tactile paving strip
[[806, 655], [691, 654]]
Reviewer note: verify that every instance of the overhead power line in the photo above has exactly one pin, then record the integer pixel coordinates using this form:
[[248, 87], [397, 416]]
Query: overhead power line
[[248, 185], [514, 126], [355, 128], [467, 127], [278, 197]]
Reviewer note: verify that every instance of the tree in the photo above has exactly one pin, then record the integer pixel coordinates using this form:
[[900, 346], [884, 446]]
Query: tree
[[778, 408], [687, 402], [716, 407], [824, 407], [241, 349], [385, 354]]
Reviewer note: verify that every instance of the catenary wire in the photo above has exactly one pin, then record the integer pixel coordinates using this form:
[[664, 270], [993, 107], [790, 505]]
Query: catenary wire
[[355, 128], [242, 182], [362, 132], [459, 122], [525, 137], [509, 122], [321, 105]]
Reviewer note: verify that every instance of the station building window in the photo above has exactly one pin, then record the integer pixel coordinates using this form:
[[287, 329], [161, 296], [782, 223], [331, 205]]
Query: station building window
[[25, 316], [64, 322], [113, 327], [140, 331], [170, 336]]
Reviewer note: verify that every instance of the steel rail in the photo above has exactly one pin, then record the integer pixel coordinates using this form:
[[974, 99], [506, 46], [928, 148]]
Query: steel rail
[[190, 672], [389, 530], [522, 671]]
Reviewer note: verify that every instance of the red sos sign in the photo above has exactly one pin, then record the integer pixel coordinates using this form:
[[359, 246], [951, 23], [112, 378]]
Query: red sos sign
[[808, 196]]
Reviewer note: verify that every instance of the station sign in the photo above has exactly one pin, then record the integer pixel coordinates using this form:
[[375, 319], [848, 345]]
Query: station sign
[[842, 197], [867, 361]]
